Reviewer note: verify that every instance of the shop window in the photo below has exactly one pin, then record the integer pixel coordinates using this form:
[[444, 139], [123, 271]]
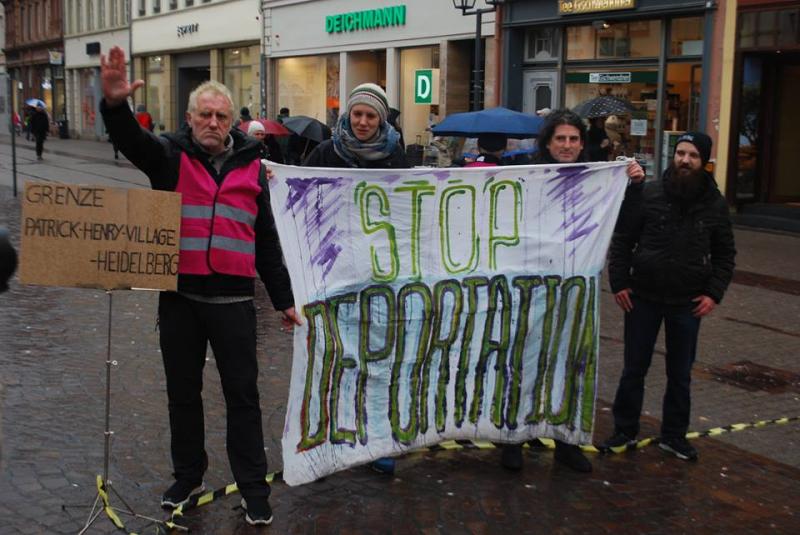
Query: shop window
[[90, 15], [142, 10], [769, 28], [189, 3], [238, 77], [308, 85], [542, 44], [610, 40], [156, 6], [686, 37], [749, 127], [173, 5]]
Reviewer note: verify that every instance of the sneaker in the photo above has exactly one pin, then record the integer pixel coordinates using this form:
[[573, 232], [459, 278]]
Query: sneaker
[[618, 440], [257, 512], [178, 494], [572, 456], [679, 447], [384, 465], [512, 457]]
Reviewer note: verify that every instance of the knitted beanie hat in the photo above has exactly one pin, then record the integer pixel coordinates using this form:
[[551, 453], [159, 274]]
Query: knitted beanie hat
[[373, 96], [254, 127], [492, 142], [699, 140]]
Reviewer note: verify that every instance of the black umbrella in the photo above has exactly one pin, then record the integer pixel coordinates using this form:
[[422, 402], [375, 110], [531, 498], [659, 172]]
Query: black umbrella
[[603, 107], [308, 127]]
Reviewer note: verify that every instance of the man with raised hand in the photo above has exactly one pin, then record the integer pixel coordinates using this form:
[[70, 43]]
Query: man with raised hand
[[227, 236]]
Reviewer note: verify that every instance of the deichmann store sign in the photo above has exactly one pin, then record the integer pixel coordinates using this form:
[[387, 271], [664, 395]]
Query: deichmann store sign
[[366, 20], [572, 7]]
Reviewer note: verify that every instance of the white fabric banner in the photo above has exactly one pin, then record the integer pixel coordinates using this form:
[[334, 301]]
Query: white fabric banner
[[441, 304]]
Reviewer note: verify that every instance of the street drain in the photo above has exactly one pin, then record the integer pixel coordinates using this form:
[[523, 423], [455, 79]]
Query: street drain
[[752, 377]]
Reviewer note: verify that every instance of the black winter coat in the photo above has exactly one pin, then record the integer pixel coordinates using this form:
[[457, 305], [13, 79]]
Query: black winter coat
[[159, 158], [324, 155], [40, 123], [671, 252]]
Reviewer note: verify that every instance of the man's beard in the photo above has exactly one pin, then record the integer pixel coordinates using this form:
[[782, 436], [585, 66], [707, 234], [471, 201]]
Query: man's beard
[[685, 183]]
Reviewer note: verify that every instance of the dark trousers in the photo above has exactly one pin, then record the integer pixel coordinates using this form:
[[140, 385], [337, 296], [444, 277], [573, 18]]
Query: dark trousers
[[186, 327], [39, 144], [641, 330]]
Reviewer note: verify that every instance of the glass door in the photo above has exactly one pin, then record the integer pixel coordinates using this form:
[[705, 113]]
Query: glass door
[[633, 133]]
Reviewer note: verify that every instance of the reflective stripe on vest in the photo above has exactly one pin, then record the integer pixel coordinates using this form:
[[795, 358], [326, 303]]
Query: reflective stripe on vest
[[218, 222]]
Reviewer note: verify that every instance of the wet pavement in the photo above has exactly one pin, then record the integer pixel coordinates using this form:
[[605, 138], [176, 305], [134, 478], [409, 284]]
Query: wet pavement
[[52, 376]]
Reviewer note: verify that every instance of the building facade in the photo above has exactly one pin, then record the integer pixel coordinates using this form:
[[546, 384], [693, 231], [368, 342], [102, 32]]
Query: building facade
[[5, 103], [318, 51], [35, 53], [91, 28], [178, 44], [651, 53], [765, 136]]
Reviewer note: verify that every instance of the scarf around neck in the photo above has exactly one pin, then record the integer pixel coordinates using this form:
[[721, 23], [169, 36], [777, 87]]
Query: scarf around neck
[[353, 151]]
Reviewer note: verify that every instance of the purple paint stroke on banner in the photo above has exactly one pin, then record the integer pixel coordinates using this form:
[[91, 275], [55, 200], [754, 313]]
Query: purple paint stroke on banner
[[319, 200], [577, 205], [328, 251]]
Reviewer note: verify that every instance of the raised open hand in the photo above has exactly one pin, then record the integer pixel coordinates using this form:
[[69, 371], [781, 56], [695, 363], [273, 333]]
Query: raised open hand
[[114, 78]]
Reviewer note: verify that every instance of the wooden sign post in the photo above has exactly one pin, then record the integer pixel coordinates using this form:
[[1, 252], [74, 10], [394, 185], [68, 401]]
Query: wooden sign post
[[98, 237]]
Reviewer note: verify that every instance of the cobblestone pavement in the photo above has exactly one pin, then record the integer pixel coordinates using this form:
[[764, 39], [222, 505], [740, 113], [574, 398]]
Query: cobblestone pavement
[[52, 374]]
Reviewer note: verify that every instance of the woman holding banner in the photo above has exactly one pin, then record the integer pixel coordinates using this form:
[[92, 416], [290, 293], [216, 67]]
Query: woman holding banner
[[363, 138]]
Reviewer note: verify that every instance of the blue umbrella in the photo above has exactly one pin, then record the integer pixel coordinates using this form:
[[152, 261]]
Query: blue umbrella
[[35, 103], [492, 121]]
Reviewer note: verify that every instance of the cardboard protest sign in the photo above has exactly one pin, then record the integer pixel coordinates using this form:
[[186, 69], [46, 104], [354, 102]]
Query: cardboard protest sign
[[99, 237], [441, 304]]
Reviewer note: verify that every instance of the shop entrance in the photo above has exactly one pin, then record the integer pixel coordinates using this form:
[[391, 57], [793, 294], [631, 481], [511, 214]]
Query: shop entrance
[[766, 155], [192, 69]]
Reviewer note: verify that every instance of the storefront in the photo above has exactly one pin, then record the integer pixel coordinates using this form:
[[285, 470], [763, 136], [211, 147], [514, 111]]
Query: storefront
[[177, 51], [764, 155], [348, 42], [650, 53], [83, 79]]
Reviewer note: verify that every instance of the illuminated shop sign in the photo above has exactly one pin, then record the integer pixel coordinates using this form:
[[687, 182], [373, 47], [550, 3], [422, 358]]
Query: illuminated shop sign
[[368, 19], [572, 7]]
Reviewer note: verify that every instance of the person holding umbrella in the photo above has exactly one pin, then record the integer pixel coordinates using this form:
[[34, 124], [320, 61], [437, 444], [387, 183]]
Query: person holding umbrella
[[272, 151], [363, 136], [561, 141], [40, 125]]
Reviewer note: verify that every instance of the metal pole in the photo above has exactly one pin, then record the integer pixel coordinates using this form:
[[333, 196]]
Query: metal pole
[[108, 431], [477, 100], [11, 100]]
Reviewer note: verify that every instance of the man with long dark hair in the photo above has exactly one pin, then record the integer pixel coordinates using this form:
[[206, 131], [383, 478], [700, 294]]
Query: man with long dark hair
[[561, 140], [672, 258]]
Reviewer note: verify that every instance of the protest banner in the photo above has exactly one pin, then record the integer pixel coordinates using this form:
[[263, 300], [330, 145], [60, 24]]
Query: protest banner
[[98, 237], [441, 304]]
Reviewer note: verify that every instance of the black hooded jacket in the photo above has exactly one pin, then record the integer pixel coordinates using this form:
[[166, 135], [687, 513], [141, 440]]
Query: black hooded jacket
[[159, 158], [672, 251]]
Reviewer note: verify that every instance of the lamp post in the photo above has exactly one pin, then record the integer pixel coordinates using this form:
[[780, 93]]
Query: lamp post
[[467, 7]]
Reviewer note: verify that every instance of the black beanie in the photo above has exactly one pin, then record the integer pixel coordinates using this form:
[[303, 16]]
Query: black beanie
[[492, 142], [700, 140]]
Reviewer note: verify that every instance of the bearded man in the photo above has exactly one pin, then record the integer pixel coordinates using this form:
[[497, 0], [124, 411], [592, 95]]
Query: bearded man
[[671, 260]]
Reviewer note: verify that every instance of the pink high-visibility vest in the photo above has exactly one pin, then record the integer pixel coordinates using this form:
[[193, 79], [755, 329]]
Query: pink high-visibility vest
[[480, 164], [218, 222]]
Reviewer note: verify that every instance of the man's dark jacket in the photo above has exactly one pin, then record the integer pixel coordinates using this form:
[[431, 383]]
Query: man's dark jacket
[[324, 155], [159, 158], [40, 124], [670, 250]]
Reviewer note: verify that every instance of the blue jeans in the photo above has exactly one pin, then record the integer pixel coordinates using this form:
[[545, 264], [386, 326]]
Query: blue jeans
[[681, 329]]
